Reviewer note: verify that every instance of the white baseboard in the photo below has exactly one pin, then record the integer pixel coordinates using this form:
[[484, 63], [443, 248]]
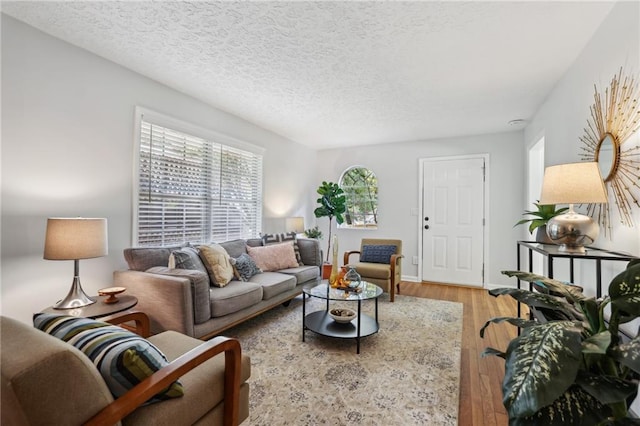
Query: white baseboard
[[410, 278]]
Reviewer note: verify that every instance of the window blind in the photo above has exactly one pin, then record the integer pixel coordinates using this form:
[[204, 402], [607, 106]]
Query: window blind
[[195, 190]]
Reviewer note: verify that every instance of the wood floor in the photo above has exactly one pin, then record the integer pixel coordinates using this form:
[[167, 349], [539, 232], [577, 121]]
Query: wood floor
[[480, 378]]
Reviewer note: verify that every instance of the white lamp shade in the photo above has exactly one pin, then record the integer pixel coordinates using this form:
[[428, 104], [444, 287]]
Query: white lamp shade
[[75, 238], [294, 224], [573, 183]]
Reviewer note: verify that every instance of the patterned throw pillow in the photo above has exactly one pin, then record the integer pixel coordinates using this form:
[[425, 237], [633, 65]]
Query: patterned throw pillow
[[377, 253], [186, 258], [124, 359], [268, 239], [244, 267], [216, 260], [274, 257]]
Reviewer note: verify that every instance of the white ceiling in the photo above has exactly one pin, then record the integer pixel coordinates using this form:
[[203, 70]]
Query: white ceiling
[[329, 74]]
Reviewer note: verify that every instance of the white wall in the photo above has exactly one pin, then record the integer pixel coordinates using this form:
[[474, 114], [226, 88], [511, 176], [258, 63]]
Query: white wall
[[563, 116], [397, 169], [67, 149]]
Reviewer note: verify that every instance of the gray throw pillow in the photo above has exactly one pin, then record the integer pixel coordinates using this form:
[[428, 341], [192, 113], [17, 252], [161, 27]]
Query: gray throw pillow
[[245, 267], [187, 258]]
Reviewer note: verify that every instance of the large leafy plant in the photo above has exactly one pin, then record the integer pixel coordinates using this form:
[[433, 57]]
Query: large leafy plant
[[570, 366], [332, 203]]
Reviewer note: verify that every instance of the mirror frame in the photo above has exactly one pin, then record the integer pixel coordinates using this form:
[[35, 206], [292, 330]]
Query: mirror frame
[[615, 113]]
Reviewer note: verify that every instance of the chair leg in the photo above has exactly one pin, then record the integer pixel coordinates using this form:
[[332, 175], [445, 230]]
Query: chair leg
[[392, 292], [398, 288]]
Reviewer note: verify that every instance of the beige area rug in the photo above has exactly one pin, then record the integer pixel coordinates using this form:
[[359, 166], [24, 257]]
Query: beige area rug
[[406, 374]]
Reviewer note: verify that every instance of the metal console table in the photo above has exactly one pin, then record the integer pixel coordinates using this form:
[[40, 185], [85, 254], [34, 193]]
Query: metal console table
[[551, 252]]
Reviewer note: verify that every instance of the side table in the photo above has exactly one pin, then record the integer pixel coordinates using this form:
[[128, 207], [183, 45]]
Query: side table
[[98, 309]]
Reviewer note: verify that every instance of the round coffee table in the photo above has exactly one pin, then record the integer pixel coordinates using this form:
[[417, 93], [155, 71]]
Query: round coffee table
[[320, 322]]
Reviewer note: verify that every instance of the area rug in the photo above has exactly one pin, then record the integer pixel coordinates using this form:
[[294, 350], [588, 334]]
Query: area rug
[[406, 374]]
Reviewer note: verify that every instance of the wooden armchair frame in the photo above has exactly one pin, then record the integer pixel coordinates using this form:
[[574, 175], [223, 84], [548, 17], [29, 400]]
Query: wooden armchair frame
[[162, 378]]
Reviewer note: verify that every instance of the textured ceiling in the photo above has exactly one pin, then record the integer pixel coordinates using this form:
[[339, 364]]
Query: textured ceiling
[[330, 74]]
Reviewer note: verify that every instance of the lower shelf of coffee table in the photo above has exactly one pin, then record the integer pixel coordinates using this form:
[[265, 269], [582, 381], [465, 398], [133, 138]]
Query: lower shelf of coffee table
[[321, 322]]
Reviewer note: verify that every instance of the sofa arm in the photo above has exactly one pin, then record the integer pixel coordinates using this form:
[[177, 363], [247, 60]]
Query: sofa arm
[[139, 394], [166, 299], [310, 251]]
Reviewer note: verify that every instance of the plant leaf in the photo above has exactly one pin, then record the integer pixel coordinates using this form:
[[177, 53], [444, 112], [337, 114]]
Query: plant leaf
[[573, 407], [570, 291], [537, 300], [607, 389], [541, 365], [518, 322], [628, 354], [492, 351], [624, 291], [597, 344]]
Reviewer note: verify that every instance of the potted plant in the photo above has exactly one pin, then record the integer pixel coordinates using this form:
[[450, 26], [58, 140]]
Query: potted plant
[[313, 233], [332, 204], [542, 215], [571, 365]]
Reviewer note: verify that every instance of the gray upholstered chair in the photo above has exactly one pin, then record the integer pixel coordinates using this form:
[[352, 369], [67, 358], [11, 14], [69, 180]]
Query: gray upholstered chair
[[379, 263], [48, 381]]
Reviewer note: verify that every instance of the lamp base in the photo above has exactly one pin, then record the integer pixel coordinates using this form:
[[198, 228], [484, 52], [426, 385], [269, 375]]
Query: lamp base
[[76, 298], [572, 231]]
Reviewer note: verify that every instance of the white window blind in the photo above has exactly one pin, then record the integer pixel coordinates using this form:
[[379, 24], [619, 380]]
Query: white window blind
[[195, 190]]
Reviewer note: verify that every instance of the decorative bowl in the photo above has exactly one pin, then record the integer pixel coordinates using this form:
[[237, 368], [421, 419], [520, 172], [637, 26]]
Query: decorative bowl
[[342, 315], [111, 292]]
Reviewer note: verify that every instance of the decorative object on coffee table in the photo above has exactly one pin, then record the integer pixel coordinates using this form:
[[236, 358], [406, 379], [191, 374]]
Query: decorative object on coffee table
[[342, 315], [75, 239], [111, 293]]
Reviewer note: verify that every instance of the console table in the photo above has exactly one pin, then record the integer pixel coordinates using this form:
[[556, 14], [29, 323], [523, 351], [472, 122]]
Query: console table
[[551, 252]]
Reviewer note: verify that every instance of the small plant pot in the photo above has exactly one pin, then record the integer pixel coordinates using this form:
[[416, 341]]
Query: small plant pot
[[326, 270], [541, 235]]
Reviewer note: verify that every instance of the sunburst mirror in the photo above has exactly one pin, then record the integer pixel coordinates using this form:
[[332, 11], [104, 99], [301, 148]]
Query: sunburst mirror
[[615, 117]]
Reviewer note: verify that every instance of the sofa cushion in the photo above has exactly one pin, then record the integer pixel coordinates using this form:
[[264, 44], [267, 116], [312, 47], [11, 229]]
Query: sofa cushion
[[274, 257], [143, 258], [302, 273], [269, 239], [216, 260], [378, 253], [124, 359], [244, 267], [373, 270], [310, 251], [235, 247], [273, 283], [186, 258], [233, 297]]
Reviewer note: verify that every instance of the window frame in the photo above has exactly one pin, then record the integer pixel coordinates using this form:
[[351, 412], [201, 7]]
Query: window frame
[[159, 119], [349, 203]]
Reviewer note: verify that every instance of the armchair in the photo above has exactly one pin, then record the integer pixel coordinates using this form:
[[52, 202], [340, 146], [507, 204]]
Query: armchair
[[379, 263], [46, 380]]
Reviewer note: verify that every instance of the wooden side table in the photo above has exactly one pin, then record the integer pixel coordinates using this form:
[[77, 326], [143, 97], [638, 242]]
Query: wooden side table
[[98, 309]]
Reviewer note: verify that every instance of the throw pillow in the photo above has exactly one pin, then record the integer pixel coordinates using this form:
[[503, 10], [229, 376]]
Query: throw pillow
[[377, 253], [124, 359], [186, 258], [244, 267], [216, 260], [269, 239], [274, 257]]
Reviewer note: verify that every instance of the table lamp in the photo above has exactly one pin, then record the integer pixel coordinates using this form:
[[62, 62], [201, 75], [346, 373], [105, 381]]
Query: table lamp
[[75, 239], [573, 183], [294, 224]]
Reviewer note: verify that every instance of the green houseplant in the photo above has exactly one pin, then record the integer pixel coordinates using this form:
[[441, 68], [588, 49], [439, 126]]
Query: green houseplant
[[571, 365], [313, 233], [331, 204], [542, 215]]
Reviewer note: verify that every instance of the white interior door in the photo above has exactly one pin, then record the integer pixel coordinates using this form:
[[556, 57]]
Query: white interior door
[[453, 220]]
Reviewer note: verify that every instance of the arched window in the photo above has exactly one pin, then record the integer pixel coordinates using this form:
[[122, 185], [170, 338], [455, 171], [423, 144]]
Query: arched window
[[360, 186]]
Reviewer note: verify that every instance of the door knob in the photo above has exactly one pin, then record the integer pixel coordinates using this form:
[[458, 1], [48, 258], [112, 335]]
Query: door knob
[[426, 227]]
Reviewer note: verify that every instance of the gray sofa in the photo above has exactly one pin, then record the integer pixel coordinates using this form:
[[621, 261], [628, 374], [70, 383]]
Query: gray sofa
[[183, 300]]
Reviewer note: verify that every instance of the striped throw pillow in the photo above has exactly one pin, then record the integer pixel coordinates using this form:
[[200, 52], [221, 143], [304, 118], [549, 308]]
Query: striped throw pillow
[[124, 359]]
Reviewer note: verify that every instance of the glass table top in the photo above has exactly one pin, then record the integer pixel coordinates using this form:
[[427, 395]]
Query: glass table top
[[324, 291]]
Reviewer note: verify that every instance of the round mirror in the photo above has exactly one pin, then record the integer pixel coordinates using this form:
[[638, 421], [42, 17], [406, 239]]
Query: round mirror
[[607, 156]]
